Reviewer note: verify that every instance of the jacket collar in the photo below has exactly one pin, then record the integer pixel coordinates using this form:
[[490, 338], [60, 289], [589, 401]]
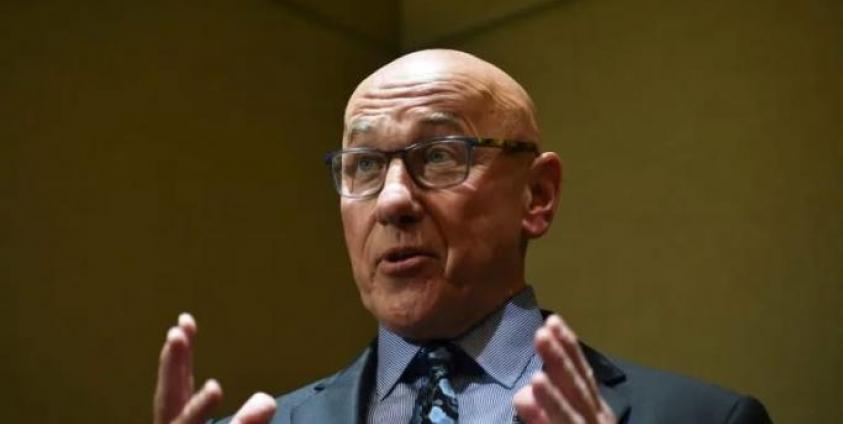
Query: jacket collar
[[609, 378], [342, 399]]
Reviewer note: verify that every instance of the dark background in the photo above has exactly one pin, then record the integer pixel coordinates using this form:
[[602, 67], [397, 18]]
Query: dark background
[[162, 156]]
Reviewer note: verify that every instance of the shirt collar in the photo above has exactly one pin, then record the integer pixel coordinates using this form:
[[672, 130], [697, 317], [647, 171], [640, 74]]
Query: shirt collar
[[394, 355], [502, 344]]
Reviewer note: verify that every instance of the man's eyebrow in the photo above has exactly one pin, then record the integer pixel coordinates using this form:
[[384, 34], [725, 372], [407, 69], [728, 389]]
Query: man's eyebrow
[[449, 120], [359, 126], [441, 119]]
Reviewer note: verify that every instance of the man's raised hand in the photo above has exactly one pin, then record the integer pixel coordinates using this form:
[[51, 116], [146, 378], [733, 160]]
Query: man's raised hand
[[565, 390], [175, 401]]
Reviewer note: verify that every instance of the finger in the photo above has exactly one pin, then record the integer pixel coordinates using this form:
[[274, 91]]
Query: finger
[[550, 399], [198, 409], [172, 390], [563, 374], [257, 410], [607, 415], [188, 326], [528, 408], [571, 344]]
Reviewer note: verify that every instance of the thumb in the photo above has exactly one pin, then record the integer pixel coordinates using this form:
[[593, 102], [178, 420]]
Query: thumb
[[257, 410]]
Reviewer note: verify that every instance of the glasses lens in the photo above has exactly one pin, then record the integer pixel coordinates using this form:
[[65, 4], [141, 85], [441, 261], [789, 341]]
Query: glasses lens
[[358, 173], [440, 163]]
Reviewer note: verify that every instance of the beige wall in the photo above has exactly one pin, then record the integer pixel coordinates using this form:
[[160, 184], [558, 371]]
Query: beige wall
[[700, 226], [165, 156]]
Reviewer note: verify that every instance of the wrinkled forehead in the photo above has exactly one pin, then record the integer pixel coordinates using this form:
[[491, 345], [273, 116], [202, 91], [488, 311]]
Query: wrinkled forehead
[[407, 105]]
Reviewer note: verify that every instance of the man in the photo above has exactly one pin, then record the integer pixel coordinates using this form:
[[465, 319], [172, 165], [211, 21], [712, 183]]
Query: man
[[442, 184]]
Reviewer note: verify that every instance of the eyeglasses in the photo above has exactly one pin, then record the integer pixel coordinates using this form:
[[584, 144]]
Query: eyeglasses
[[437, 163]]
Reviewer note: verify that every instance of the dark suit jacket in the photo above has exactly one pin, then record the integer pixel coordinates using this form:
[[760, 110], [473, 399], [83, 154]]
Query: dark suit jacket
[[636, 394]]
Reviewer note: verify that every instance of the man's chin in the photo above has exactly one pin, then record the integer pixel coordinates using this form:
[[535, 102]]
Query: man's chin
[[412, 307], [410, 318], [421, 324], [418, 331]]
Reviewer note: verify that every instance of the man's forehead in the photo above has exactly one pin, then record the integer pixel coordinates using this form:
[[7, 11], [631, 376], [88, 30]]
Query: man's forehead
[[446, 91], [445, 101]]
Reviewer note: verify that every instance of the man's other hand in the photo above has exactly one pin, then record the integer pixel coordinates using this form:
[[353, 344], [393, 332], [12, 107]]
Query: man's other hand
[[175, 401], [565, 391]]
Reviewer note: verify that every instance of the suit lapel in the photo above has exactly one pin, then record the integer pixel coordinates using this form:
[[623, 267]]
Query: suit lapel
[[616, 400], [340, 400], [608, 378]]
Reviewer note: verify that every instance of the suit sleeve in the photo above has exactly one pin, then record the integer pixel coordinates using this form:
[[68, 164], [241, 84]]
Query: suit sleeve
[[748, 410]]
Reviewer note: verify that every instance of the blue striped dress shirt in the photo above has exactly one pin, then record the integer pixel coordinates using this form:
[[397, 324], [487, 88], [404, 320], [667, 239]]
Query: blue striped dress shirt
[[502, 345]]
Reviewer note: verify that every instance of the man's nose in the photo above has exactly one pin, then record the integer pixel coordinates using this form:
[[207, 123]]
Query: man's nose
[[397, 203]]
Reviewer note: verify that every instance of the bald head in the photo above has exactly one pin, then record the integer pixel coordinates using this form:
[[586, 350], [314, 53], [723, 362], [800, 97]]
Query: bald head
[[454, 86]]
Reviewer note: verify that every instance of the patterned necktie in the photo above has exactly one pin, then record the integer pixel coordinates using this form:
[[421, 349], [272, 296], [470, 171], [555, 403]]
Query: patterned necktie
[[436, 402]]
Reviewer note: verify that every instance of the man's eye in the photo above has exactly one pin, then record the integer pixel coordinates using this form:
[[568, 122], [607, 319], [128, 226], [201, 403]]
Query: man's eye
[[438, 156], [367, 165]]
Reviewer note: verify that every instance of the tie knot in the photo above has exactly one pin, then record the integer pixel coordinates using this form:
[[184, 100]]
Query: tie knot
[[437, 360], [437, 356]]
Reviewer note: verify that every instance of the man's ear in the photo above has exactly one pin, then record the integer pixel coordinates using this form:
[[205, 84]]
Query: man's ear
[[541, 195]]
